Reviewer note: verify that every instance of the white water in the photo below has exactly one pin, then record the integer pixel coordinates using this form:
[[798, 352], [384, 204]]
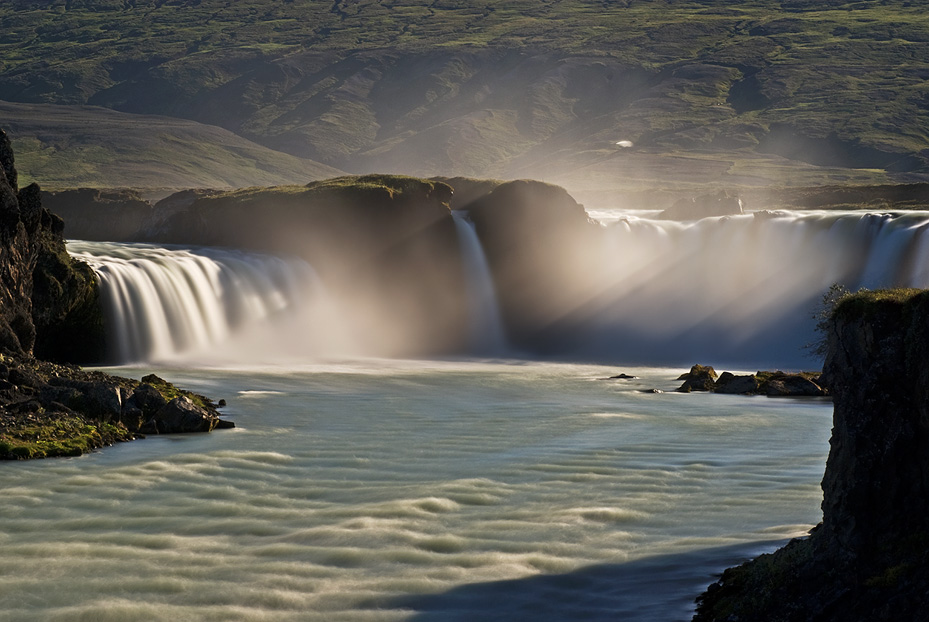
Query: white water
[[741, 289], [164, 302], [488, 337], [732, 291], [392, 490]]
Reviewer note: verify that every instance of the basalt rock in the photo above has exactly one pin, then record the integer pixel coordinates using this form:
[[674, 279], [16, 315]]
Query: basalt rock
[[48, 302], [732, 384], [869, 559], [180, 415], [699, 378], [95, 214], [47, 409]]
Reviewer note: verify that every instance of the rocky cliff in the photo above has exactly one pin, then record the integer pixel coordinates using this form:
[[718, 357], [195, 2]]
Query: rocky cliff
[[869, 559], [49, 307], [48, 303]]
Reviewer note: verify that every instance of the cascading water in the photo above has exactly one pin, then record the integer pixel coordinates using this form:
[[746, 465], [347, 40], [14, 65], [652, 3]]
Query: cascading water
[[162, 302], [742, 288], [730, 290], [487, 332]]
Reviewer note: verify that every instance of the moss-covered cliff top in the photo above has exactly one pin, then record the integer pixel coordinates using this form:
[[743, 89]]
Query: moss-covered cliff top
[[866, 302]]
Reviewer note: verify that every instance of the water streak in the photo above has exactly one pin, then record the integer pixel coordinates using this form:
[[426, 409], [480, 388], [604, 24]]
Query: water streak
[[488, 335]]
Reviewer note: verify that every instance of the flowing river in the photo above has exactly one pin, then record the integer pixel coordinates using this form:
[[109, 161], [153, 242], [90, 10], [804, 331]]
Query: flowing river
[[427, 491], [462, 489]]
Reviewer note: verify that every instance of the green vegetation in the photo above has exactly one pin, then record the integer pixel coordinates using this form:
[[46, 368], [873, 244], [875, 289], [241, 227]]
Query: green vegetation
[[394, 185], [61, 435], [168, 391], [55, 149], [766, 92], [864, 302]]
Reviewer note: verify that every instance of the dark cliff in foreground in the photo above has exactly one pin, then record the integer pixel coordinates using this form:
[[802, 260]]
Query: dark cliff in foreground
[[48, 303], [869, 559]]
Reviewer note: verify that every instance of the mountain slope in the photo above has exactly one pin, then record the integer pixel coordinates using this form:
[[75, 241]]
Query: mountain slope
[[62, 146], [708, 92]]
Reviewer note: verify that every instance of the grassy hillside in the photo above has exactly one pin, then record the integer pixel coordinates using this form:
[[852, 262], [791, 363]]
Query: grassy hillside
[[67, 146], [764, 92]]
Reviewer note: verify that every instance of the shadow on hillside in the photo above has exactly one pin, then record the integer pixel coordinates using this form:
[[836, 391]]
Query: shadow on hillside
[[654, 589]]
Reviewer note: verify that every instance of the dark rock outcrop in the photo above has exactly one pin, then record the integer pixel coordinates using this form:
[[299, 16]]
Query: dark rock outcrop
[[869, 559], [770, 383], [544, 252], [699, 378], [732, 384], [48, 303], [48, 409], [101, 215]]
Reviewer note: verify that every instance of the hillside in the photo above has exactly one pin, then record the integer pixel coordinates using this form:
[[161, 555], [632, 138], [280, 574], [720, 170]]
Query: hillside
[[760, 93], [63, 146]]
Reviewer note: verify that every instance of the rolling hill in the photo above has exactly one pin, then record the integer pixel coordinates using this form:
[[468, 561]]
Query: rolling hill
[[707, 93]]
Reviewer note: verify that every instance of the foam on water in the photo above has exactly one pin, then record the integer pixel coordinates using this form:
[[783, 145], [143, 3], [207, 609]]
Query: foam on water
[[460, 491]]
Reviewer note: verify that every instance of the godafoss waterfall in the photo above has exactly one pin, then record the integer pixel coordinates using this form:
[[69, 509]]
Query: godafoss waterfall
[[496, 476]]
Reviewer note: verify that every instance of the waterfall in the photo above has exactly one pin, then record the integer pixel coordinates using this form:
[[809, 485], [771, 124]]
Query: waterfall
[[163, 302], [488, 335], [741, 288], [727, 291]]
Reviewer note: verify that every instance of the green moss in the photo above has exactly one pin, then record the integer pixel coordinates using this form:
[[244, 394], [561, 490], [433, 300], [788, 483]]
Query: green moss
[[55, 435], [168, 391], [392, 184]]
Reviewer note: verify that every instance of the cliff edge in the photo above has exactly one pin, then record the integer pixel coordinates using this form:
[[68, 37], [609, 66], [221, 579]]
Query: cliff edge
[[869, 559], [49, 309]]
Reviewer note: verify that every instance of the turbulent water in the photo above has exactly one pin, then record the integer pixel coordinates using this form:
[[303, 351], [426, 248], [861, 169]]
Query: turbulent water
[[459, 490], [390, 490]]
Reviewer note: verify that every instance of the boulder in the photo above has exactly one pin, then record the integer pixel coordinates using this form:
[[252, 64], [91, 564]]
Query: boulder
[[180, 415], [792, 385], [699, 378], [731, 384], [147, 399]]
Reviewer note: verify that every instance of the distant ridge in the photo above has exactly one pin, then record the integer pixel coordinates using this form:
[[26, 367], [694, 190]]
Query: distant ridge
[[67, 146]]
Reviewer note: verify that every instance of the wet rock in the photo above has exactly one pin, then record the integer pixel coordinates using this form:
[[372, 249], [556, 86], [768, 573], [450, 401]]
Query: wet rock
[[623, 377], [699, 378], [731, 384], [147, 399], [180, 415], [792, 385]]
